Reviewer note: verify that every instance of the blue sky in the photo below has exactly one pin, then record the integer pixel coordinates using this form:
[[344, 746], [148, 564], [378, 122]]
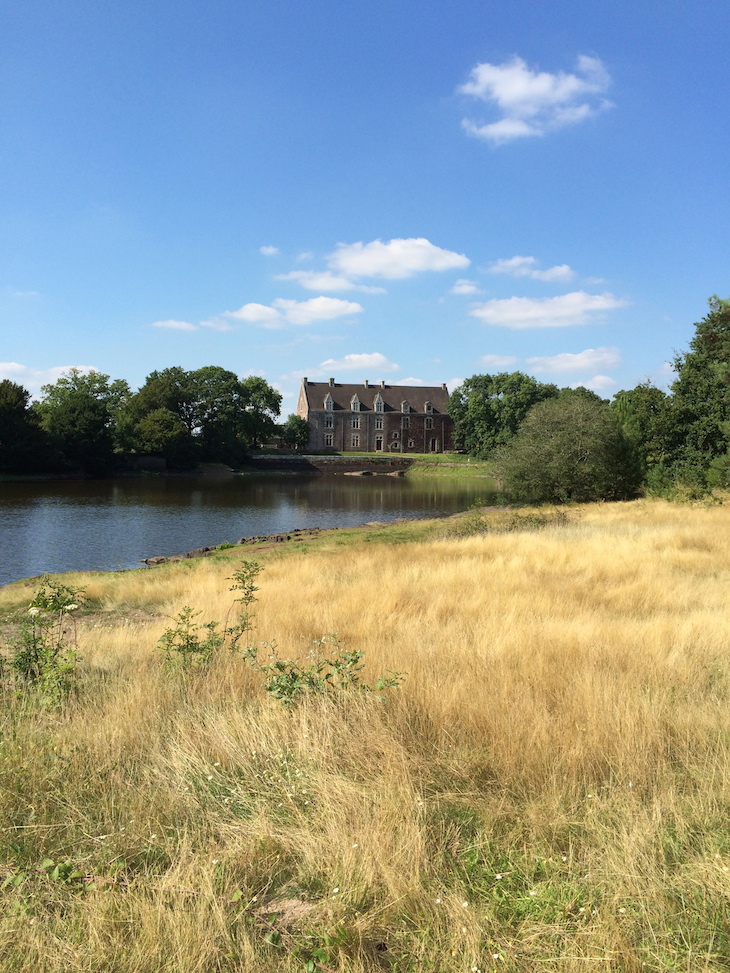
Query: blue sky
[[392, 190]]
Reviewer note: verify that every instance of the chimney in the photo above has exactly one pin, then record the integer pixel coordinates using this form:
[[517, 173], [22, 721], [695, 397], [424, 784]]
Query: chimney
[[305, 380], [443, 386], [332, 383], [382, 384], [365, 383]]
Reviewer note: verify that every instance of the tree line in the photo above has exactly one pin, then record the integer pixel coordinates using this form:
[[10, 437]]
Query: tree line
[[89, 423], [569, 444]]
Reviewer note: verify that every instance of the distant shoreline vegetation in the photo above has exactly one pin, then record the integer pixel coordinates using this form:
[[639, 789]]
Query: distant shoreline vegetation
[[543, 443]]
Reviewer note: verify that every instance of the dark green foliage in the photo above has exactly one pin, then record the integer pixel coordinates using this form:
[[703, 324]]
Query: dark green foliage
[[488, 409], [645, 414], [79, 414], [569, 449], [208, 414], [24, 446], [701, 398], [162, 433], [295, 432]]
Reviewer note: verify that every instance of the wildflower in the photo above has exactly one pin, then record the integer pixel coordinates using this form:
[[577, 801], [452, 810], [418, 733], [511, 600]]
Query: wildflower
[[533, 892], [216, 861], [622, 911], [356, 845], [465, 905], [438, 901], [335, 891], [71, 608], [498, 876], [34, 611]]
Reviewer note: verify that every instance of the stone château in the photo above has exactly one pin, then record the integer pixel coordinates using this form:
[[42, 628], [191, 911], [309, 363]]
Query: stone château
[[376, 418]]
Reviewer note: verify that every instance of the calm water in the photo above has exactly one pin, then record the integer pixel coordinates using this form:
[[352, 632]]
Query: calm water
[[112, 524]]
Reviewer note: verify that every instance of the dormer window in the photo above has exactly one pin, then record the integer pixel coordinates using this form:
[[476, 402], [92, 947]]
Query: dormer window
[[378, 404], [355, 404], [428, 408], [405, 408], [329, 404]]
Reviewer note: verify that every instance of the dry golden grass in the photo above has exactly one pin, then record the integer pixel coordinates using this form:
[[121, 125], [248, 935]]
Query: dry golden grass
[[548, 788]]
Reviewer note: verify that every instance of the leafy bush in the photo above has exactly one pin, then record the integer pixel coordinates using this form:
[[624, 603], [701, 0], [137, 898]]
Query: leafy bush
[[42, 655], [190, 645], [569, 449], [290, 679]]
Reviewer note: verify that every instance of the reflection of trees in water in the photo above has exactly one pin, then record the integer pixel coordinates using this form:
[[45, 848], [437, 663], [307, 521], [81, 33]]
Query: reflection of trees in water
[[66, 525]]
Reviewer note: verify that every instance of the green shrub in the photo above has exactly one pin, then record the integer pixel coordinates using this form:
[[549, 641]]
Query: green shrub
[[42, 654]]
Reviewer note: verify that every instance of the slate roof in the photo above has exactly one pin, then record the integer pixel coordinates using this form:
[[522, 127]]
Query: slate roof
[[393, 396]]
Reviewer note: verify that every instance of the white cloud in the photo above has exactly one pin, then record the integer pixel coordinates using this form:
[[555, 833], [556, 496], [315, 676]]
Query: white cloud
[[526, 267], [393, 260], [316, 309], [269, 251], [410, 381], [497, 361], [599, 383], [217, 324], [282, 311], [325, 280], [545, 312], [532, 103], [581, 361], [175, 325], [23, 295], [305, 255], [373, 362], [33, 378], [464, 286]]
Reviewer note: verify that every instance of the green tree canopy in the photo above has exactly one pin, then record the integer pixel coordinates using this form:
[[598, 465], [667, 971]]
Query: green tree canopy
[[645, 414], [295, 432], [79, 413], [701, 395], [223, 416], [569, 448], [24, 447], [488, 409]]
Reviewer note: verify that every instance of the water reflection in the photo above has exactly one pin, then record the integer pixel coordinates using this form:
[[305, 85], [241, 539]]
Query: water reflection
[[111, 524]]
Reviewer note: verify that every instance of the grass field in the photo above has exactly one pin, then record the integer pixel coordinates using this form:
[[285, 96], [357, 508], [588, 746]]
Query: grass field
[[548, 788]]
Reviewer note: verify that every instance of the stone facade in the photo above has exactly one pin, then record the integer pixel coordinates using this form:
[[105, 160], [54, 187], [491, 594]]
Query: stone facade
[[376, 418]]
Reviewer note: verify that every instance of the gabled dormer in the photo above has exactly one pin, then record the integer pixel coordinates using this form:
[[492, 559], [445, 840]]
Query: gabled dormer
[[355, 403], [405, 408], [378, 404], [329, 404], [428, 408]]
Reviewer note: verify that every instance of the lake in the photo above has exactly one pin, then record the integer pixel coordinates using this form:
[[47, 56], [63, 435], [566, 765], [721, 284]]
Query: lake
[[55, 526]]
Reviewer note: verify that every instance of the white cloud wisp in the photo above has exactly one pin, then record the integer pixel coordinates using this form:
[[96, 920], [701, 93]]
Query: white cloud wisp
[[283, 311], [533, 103], [564, 311], [527, 267], [396, 259], [582, 361]]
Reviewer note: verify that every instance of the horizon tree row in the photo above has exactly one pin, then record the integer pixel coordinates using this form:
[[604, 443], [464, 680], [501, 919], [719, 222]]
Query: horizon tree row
[[89, 423], [557, 444]]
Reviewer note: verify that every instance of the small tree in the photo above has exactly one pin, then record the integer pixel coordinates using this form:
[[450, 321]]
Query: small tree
[[295, 432], [570, 448], [488, 409]]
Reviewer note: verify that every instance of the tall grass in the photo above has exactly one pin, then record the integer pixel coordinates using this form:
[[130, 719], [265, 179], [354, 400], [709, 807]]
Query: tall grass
[[548, 789]]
